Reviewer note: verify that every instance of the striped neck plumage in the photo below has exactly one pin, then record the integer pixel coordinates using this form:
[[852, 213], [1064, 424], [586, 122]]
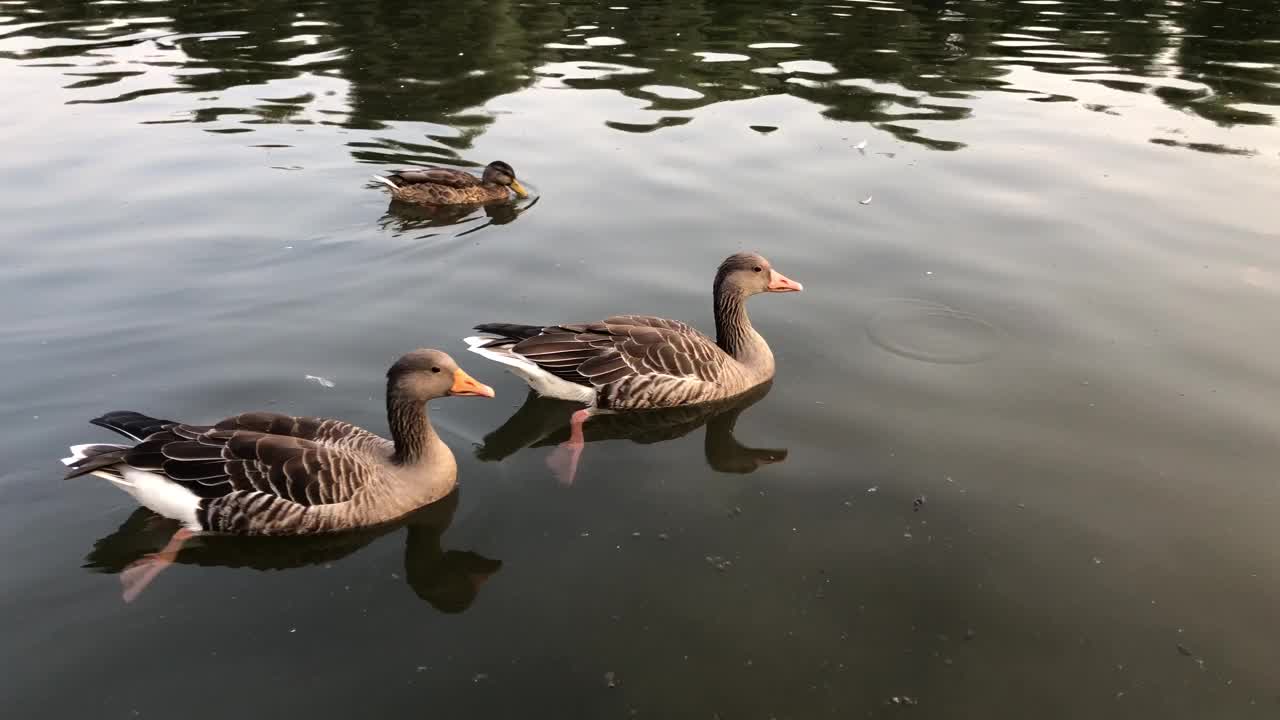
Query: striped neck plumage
[[734, 333], [411, 429]]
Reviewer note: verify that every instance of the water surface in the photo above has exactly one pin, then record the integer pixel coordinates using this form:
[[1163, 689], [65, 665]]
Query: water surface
[[1018, 461]]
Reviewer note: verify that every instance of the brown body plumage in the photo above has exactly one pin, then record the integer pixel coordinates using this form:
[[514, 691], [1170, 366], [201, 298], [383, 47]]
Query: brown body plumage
[[635, 362], [264, 473], [448, 186]]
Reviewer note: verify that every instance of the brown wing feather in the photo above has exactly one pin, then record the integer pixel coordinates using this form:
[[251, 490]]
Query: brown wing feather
[[600, 354], [324, 431], [219, 463], [435, 176]]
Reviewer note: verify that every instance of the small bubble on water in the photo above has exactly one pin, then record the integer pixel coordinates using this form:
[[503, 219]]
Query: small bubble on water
[[719, 563]]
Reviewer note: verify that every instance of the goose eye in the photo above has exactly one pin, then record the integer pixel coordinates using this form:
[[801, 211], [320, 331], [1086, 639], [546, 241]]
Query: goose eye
[[435, 369], [756, 269]]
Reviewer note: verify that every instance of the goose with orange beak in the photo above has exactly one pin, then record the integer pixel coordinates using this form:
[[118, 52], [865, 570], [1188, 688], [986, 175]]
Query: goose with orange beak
[[264, 473], [637, 362]]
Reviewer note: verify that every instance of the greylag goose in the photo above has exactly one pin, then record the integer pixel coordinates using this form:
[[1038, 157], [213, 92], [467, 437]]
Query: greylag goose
[[449, 580], [448, 186], [264, 473], [635, 362]]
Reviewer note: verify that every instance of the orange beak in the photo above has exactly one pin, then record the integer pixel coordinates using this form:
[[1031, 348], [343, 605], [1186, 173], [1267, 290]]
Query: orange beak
[[781, 283], [465, 385]]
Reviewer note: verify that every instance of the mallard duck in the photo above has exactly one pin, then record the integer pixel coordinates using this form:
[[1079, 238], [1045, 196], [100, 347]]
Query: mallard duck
[[449, 186], [263, 473], [635, 362]]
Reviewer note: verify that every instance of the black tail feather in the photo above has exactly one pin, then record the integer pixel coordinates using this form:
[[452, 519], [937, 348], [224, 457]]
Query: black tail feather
[[511, 330], [132, 425], [100, 457]]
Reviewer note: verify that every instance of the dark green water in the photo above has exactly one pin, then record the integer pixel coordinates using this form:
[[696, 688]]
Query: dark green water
[[1055, 322]]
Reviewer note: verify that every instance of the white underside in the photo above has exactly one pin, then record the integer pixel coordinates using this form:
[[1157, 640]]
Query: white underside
[[151, 490], [542, 382]]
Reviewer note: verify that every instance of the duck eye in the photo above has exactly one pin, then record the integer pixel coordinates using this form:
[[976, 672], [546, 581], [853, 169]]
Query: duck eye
[[756, 269], [435, 369]]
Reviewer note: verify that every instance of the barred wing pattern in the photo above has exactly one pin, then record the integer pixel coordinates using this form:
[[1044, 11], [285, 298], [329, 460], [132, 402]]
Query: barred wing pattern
[[633, 361], [253, 480], [325, 431]]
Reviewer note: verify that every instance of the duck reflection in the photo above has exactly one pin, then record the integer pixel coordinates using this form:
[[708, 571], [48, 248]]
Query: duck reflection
[[448, 580], [544, 422], [403, 217]]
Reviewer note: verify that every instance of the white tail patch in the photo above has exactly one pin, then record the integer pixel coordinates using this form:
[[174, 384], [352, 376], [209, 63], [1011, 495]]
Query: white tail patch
[[150, 489], [162, 495], [386, 182], [542, 382]]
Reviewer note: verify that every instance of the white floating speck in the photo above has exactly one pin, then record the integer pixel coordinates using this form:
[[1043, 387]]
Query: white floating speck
[[873, 489], [867, 201], [323, 382], [861, 146]]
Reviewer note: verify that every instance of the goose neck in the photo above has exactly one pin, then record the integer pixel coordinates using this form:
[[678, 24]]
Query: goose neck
[[411, 429]]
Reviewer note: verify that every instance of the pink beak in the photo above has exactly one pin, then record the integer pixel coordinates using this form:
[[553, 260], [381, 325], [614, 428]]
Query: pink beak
[[781, 283]]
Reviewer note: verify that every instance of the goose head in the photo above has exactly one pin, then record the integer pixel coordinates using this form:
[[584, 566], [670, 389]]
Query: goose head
[[500, 173], [750, 273], [424, 375]]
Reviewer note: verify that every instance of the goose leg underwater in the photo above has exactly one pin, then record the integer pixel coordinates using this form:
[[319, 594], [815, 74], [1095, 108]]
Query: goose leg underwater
[[637, 362], [264, 473], [563, 461]]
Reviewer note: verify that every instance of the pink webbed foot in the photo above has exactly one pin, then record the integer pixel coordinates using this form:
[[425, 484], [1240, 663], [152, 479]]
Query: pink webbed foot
[[135, 578], [478, 578], [563, 461]]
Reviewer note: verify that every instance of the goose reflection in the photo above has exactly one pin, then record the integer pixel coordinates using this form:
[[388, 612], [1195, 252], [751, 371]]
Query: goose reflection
[[544, 422], [448, 580], [406, 217]]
